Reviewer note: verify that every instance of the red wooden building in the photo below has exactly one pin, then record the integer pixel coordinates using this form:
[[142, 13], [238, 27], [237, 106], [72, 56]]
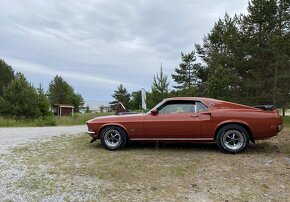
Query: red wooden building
[[63, 110], [120, 108]]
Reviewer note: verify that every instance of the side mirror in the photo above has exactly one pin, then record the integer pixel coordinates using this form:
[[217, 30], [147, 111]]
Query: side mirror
[[154, 112]]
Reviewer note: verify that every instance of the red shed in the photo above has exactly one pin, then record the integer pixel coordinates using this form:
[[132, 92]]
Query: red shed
[[63, 110], [120, 108]]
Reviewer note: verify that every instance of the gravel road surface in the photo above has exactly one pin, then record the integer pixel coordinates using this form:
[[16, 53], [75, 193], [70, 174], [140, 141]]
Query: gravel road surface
[[10, 137]]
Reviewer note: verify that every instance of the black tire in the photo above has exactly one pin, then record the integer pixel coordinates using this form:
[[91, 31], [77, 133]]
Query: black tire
[[113, 138], [232, 138]]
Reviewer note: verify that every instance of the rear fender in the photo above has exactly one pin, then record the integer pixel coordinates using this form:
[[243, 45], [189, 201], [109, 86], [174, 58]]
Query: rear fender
[[235, 121]]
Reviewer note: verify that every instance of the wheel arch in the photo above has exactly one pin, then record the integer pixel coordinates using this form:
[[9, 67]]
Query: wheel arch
[[240, 123], [112, 124]]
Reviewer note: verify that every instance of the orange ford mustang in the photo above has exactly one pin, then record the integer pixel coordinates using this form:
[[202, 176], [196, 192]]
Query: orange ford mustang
[[187, 119]]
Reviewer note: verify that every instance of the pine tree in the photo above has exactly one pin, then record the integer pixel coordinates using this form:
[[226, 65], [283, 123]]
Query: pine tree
[[136, 100], [280, 42], [61, 92], [20, 99], [160, 83], [6, 75], [257, 28], [159, 89], [222, 55], [120, 95], [42, 102], [185, 75]]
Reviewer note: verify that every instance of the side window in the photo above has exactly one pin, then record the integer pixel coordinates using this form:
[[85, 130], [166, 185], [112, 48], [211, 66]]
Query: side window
[[200, 107], [178, 107]]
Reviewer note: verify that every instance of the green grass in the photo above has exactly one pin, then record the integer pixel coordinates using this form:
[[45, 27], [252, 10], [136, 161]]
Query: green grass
[[73, 165], [77, 119], [286, 121]]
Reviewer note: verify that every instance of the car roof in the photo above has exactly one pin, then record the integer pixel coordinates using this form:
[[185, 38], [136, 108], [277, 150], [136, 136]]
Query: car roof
[[203, 99], [212, 102]]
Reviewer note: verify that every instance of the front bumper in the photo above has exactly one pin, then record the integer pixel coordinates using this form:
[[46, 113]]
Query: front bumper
[[91, 133]]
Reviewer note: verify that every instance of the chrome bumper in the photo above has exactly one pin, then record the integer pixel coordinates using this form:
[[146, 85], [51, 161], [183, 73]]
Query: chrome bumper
[[91, 133]]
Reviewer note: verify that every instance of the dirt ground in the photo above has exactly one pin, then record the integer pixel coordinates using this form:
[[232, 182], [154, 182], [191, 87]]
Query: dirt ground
[[68, 168]]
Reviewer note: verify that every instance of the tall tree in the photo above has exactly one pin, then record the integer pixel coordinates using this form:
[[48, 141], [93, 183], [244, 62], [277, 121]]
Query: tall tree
[[136, 100], [120, 95], [6, 75], [60, 92], [160, 83], [22, 100], [280, 43], [257, 28], [159, 89], [221, 54], [247, 56], [185, 74], [42, 102]]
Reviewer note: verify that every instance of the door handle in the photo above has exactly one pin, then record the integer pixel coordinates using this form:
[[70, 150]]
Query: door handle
[[194, 116], [206, 113]]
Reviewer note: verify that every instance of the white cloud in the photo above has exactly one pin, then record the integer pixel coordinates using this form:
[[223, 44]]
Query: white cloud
[[118, 41], [25, 66]]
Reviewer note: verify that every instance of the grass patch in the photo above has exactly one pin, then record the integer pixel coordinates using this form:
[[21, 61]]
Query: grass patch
[[69, 165], [286, 121], [22, 122], [69, 168], [77, 119]]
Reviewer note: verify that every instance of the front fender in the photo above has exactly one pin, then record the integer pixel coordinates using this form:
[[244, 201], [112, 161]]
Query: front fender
[[110, 124]]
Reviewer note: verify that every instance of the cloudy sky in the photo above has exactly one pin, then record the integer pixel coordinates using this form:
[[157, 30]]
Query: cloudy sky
[[98, 44]]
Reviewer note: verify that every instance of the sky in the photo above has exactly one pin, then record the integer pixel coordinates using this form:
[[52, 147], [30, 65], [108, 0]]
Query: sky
[[96, 45]]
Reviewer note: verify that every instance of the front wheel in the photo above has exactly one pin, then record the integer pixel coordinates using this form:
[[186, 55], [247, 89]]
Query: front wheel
[[113, 138], [232, 138]]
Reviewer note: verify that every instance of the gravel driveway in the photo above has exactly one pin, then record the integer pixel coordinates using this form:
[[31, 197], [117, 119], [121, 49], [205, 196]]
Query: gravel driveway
[[10, 137], [10, 171]]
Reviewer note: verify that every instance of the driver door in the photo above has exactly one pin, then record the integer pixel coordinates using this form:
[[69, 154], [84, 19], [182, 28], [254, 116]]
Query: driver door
[[174, 120]]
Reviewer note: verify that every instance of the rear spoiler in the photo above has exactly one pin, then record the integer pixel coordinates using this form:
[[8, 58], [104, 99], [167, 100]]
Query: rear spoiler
[[265, 107]]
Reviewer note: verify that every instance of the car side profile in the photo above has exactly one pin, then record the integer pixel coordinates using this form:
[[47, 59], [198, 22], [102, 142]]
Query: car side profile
[[189, 119]]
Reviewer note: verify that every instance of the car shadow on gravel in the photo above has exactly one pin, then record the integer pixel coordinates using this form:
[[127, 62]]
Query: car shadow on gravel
[[206, 147], [258, 148], [174, 146]]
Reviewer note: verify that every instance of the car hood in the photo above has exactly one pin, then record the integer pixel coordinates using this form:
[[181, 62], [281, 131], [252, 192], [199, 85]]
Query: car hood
[[117, 118]]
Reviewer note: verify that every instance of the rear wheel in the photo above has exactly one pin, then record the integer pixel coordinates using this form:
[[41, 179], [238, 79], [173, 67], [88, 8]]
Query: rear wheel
[[232, 138], [113, 138]]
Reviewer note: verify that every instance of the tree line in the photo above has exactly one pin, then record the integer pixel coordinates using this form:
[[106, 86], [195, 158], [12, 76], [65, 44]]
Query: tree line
[[19, 98], [244, 59]]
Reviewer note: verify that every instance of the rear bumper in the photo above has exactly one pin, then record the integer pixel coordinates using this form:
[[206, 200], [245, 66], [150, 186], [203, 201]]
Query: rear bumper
[[91, 133]]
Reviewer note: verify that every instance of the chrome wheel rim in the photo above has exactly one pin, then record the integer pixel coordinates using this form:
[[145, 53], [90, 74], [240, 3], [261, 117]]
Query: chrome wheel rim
[[112, 138], [233, 140]]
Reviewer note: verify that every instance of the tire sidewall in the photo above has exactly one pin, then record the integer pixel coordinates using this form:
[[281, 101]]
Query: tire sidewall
[[122, 134], [223, 130]]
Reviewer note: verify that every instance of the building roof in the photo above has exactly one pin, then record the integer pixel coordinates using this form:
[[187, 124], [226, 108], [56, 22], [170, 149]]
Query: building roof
[[64, 105], [120, 103]]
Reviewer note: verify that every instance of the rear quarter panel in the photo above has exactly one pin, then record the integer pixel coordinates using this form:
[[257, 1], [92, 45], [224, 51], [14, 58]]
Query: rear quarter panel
[[262, 124]]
